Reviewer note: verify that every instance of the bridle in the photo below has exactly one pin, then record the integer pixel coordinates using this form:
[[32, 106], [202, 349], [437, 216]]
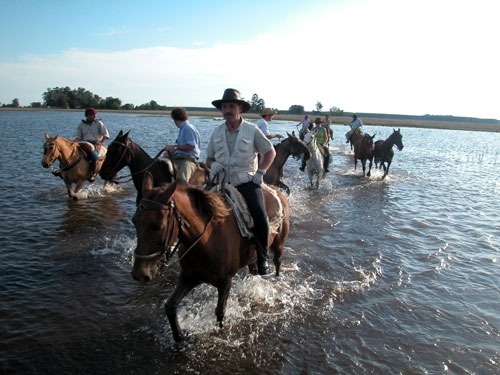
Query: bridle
[[174, 218], [68, 162], [124, 153]]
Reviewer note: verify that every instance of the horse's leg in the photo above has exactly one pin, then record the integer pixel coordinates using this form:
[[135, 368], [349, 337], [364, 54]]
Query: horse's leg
[[223, 289], [184, 285], [386, 170], [370, 167]]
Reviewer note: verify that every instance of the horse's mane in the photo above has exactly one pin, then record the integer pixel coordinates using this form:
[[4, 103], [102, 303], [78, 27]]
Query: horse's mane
[[208, 204]]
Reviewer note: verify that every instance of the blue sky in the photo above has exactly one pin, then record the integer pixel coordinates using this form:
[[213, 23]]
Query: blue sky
[[382, 56]]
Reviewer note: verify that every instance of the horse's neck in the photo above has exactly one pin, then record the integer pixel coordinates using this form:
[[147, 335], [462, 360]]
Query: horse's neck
[[68, 151], [281, 155], [139, 159], [389, 142]]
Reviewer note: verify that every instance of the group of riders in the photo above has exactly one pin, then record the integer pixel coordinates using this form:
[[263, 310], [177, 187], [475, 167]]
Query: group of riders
[[323, 134], [236, 148]]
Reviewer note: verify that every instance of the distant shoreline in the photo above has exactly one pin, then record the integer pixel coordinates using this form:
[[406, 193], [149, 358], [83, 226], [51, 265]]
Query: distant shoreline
[[389, 122]]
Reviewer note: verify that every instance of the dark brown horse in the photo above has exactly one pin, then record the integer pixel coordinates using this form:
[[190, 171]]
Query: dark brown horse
[[383, 152], [212, 249], [292, 145], [124, 152], [363, 150], [74, 168]]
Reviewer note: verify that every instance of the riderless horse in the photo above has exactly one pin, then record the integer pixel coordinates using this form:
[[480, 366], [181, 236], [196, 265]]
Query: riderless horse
[[315, 164], [212, 247], [73, 161], [363, 150], [383, 152], [125, 152], [292, 145]]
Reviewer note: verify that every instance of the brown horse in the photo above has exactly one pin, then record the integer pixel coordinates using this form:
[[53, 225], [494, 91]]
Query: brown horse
[[292, 145], [363, 150], [124, 152], [383, 151], [74, 168], [212, 249]]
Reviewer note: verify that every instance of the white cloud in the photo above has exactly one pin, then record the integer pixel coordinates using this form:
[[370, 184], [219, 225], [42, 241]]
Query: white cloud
[[385, 57]]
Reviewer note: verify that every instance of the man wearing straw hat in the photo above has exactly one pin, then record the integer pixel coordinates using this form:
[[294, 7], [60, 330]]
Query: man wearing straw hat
[[233, 149]]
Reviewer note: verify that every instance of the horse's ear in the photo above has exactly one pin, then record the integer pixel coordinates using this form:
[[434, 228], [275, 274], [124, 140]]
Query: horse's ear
[[147, 183], [47, 136], [287, 133], [120, 133], [126, 134]]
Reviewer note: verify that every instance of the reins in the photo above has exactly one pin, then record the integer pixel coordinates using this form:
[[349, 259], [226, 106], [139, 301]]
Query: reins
[[68, 162], [172, 209]]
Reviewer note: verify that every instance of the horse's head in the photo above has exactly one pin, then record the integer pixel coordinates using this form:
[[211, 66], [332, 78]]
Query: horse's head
[[296, 147], [398, 139], [308, 138], [156, 226], [116, 156], [50, 151]]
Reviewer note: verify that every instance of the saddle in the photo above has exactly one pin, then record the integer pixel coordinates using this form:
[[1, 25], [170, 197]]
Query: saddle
[[273, 205], [88, 148]]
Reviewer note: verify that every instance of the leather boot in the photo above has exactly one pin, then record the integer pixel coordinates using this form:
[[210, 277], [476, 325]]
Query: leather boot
[[327, 163], [93, 168], [303, 167], [262, 265]]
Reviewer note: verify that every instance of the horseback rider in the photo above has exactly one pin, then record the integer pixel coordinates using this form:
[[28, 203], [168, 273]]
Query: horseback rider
[[94, 131], [355, 124], [322, 138], [233, 148], [186, 150]]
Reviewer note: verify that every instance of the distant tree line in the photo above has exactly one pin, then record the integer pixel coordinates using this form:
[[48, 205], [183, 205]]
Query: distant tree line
[[67, 98]]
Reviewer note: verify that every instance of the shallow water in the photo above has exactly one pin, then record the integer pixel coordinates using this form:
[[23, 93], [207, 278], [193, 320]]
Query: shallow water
[[381, 276]]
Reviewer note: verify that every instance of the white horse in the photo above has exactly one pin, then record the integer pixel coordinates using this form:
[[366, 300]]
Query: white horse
[[315, 164]]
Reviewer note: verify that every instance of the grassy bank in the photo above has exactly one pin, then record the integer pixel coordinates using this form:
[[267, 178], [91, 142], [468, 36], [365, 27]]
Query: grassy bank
[[389, 122]]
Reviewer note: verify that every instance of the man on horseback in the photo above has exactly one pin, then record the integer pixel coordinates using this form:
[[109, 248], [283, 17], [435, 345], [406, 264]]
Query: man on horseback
[[355, 124], [186, 151], [94, 131], [233, 148]]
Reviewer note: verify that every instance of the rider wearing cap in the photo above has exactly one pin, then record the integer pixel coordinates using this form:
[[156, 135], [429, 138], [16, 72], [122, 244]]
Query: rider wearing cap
[[94, 131]]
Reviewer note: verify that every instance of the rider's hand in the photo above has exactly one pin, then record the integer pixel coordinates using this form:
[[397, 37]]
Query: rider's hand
[[215, 169], [258, 177]]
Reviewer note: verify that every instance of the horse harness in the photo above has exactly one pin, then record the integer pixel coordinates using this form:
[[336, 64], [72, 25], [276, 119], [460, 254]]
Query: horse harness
[[70, 164], [127, 148], [172, 215]]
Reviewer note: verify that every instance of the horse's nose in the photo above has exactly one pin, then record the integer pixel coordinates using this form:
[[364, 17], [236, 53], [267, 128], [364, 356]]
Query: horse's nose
[[44, 164], [142, 277]]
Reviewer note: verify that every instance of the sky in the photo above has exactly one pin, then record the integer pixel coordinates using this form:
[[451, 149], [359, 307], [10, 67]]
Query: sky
[[437, 57]]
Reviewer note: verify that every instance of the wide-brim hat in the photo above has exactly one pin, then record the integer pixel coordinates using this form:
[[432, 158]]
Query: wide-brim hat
[[318, 120], [268, 111], [232, 96]]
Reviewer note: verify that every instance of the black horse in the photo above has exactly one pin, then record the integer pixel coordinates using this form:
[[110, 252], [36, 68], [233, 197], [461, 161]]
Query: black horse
[[363, 150], [383, 152], [124, 152]]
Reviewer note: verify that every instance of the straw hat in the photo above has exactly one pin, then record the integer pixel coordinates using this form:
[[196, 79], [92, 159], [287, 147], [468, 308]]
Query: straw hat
[[232, 96], [268, 111]]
